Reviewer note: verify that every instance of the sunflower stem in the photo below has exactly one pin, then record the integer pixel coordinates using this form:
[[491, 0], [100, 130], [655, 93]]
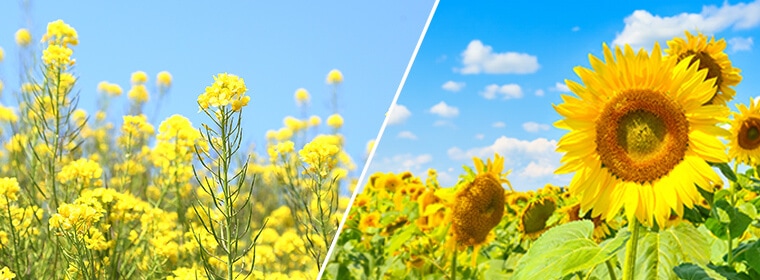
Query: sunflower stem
[[454, 263], [730, 248], [732, 187], [630, 253], [610, 270]]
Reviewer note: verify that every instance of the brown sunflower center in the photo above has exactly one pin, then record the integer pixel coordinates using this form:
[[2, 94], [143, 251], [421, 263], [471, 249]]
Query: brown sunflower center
[[706, 61], [478, 209], [641, 135], [534, 217], [749, 134]]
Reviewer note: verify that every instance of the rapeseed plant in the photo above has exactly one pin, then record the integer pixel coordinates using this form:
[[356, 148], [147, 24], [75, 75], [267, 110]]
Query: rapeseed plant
[[84, 198]]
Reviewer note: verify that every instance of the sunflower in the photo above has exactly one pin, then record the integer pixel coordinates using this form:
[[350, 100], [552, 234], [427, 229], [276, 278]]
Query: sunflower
[[407, 192], [432, 212], [533, 218], [371, 220], [639, 135], [516, 201], [710, 55], [479, 205], [744, 143], [602, 227]]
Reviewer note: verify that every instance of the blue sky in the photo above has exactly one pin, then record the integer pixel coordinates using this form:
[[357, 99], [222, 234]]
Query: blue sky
[[488, 72], [276, 46]]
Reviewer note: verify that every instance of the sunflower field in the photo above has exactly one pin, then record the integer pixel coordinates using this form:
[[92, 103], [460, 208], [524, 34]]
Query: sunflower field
[[664, 186], [82, 197]]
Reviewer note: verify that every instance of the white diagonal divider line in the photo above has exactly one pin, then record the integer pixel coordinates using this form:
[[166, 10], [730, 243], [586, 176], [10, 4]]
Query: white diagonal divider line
[[377, 141]]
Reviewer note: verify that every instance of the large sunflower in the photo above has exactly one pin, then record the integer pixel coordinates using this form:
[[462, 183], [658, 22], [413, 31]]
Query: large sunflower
[[744, 143], [639, 137], [710, 55]]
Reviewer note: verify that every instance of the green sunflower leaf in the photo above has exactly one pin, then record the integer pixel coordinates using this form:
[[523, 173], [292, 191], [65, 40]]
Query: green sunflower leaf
[[690, 271], [659, 252], [727, 272], [568, 248], [749, 253], [737, 221], [726, 170], [400, 238]]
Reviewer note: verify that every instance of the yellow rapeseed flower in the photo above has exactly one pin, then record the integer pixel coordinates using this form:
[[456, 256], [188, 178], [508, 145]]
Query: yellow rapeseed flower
[[57, 56], [314, 121], [6, 274], [139, 77], [4, 240], [81, 170], [320, 153], [110, 88], [164, 79], [23, 37], [639, 136], [334, 77], [294, 124], [227, 89], [302, 96], [75, 216], [138, 93], [2, 54], [285, 147], [335, 121], [60, 33], [136, 127], [744, 142], [8, 114], [370, 145], [9, 189], [708, 54], [102, 86], [284, 134]]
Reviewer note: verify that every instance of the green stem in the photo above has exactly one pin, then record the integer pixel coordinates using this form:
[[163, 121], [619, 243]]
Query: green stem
[[730, 247], [454, 263], [733, 186], [630, 253], [228, 200], [610, 269]]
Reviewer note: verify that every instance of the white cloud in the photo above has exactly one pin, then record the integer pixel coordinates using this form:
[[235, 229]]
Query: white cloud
[[398, 114], [499, 125], [561, 87], [479, 58], [407, 135], [479, 136], [444, 110], [539, 92], [453, 86], [534, 126], [532, 161], [416, 161], [642, 28], [536, 170], [576, 28], [446, 179], [740, 44], [402, 162], [508, 91], [507, 146], [440, 123]]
